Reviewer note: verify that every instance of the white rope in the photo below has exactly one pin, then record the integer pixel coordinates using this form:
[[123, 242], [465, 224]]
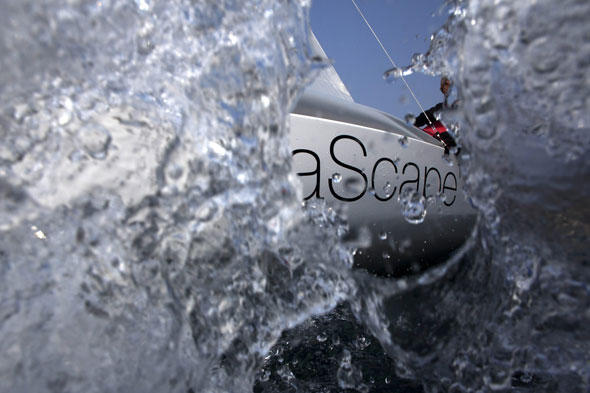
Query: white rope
[[391, 60]]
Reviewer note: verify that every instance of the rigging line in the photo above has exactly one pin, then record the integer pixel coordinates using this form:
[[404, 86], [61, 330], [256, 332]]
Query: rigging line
[[390, 59]]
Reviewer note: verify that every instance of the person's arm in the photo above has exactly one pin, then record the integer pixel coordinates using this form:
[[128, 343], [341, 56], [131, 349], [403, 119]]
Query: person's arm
[[447, 139], [421, 120]]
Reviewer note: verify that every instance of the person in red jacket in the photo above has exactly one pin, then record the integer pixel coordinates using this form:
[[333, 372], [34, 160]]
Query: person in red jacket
[[428, 118]]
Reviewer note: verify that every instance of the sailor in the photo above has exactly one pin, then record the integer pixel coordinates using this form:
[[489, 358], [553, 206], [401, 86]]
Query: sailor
[[429, 119]]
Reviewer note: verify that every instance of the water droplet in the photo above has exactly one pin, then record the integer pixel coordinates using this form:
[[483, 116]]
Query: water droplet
[[66, 103], [38, 233], [336, 177], [362, 342], [206, 212], [410, 118], [383, 235], [145, 45], [175, 171], [64, 116], [321, 337], [20, 111], [285, 373], [386, 256], [387, 187], [403, 141], [413, 207], [387, 380], [394, 73], [265, 376], [143, 5], [76, 156], [487, 131], [95, 139]]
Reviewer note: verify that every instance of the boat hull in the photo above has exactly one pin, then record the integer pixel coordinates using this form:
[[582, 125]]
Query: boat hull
[[380, 174]]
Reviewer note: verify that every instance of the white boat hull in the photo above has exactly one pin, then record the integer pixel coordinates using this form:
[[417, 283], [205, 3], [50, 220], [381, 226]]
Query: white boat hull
[[366, 161]]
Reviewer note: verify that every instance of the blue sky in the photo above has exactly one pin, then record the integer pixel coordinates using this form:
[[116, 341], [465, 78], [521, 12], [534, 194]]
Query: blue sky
[[404, 27]]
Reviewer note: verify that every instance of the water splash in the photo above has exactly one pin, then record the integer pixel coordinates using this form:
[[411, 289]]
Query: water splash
[[146, 144], [152, 237], [410, 118], [510, 312], [513, 316], [413, 207], [403, 141]]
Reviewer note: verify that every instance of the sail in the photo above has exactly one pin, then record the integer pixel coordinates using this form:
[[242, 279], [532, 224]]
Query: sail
[[327, 82]]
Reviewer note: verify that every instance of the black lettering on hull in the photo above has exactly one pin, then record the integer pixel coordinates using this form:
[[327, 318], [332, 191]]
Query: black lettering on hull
[[446, 185], [379, 161], [316, 172], [347, 166], [426, 172], [416, 180]]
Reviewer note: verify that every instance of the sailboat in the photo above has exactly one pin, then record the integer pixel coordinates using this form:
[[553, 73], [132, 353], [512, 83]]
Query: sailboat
[[401, 192]]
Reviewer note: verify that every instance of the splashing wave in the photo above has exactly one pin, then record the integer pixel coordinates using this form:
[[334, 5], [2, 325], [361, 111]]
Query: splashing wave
[[152, 237], [514, 315]]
